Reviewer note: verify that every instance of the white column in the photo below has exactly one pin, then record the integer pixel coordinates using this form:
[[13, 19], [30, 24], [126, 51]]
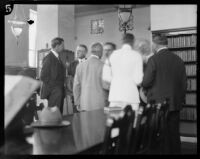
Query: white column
[[47, 25], [66, 26]]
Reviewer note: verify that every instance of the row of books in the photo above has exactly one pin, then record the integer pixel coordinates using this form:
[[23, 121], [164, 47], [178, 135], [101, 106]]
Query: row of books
[[191, 99], [187, 55], [191, 70], [191, 84], [188, 114], [182, 41]]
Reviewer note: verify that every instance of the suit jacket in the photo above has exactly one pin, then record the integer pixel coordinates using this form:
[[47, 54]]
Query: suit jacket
[[72, 68], [52, 74], [165, 77], [127, 74], [88, 90]]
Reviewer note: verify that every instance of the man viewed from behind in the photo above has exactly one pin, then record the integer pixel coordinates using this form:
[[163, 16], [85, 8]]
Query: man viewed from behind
[[127, 73], [165, 77], [88, 91]]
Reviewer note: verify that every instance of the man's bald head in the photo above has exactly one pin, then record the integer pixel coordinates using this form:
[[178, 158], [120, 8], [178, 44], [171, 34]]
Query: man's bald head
[[143, 46]]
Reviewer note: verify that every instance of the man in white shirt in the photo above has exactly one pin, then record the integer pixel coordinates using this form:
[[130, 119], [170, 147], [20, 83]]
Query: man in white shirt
[[108, 49], [87, 90], [127, 73]]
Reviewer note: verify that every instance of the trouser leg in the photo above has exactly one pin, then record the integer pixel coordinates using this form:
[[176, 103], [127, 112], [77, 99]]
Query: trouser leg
[[56, 98], [173, 132]]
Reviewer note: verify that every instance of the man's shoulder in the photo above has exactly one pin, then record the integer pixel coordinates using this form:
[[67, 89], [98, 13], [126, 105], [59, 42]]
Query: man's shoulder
[[115, 53], [136, 53], [48, 56]]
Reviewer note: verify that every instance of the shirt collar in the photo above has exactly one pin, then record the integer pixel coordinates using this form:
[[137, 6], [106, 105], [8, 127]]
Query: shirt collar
[[55, 53], [81, 60], [94, 56], [162, 48], [126, 46]]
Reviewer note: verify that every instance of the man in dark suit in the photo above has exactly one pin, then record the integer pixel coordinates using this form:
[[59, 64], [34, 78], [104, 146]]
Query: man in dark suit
[[52, 75], [81, 52], [165, 77]]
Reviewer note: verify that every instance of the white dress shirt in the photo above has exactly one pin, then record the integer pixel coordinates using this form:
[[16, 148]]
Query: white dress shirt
[[127, 74], [55, 53]]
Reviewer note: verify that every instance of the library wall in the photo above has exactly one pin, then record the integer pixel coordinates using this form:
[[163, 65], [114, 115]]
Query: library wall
[[111, 27], [184, 44], [173, 16]]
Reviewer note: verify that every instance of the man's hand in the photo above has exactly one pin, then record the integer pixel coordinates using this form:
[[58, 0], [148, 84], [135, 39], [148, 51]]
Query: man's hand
[[76, 109]]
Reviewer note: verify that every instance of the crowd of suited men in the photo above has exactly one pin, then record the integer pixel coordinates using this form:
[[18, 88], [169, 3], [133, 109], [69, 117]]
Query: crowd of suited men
[[112, 77]]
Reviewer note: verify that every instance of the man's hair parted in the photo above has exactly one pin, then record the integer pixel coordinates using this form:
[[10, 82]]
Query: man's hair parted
[[56, 41], [84, 46]]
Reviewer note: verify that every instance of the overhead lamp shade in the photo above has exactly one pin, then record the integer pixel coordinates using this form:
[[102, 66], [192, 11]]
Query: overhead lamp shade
[[16, 31], [124, 15], [16, 27]]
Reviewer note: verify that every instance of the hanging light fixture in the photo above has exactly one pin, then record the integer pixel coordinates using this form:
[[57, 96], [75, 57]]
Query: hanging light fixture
[[125, 17], [17, 22]]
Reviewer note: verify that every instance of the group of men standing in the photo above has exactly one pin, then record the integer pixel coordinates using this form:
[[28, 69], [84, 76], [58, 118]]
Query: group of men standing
[[163, 77]]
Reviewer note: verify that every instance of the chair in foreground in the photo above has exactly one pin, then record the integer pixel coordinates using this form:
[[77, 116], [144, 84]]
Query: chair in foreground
[[121, 143], [152, 133]]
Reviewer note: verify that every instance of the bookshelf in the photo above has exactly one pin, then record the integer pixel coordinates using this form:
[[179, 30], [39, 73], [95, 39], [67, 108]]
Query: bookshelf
[[183, 43]]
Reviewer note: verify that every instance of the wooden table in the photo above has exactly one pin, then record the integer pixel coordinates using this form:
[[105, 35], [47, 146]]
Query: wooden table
[[86, 131]]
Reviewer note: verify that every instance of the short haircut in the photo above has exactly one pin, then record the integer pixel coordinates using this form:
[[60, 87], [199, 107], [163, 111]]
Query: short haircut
[[159, 39], [97, 45], [111, 44], [128, 38], [56, 41], [84, 46]]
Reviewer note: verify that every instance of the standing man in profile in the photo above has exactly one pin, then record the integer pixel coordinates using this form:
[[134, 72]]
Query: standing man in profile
[[165, 77], [52, 75], [126, 74], [81, 52], [88, 90]]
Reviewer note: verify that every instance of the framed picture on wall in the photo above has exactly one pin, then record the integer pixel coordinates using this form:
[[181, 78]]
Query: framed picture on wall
[[97, 26]]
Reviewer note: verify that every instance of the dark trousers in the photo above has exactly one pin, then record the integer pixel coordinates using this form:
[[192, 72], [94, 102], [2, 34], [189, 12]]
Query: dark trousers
[[173, 142], [56, 98]]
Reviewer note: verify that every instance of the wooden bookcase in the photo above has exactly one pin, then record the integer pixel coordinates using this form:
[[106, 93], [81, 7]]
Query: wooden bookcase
[[183, 43]]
